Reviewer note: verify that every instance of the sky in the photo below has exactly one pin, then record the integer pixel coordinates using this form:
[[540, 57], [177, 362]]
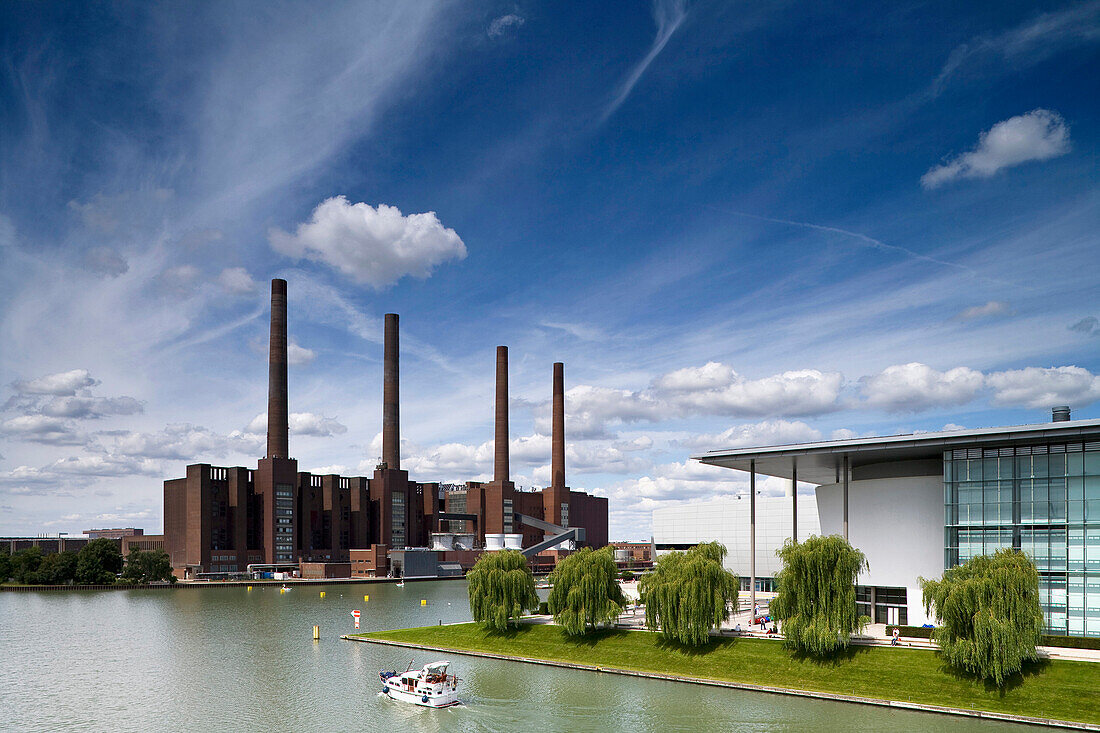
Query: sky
[[737, 224]]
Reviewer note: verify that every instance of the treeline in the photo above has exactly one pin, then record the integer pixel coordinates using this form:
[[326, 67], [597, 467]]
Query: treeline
[[99, 562]]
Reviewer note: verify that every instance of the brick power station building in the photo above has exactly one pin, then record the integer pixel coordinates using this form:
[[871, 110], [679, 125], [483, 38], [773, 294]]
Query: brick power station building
[[223, 519]]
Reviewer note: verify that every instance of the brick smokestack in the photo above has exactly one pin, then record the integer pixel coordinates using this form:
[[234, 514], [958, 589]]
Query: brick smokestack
[[278, 427], [500, 463], [557, 463], [391, 420]]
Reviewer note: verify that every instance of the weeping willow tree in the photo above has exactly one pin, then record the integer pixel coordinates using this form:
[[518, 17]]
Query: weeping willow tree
[[586, 591], [689, 593], [816, 601], [989, 613], [501, 589]]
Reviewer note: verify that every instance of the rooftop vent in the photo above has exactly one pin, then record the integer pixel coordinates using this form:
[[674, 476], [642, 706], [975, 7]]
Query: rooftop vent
[[1060, 413]]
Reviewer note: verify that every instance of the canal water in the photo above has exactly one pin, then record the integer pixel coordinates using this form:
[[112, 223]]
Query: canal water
[[229, 659]]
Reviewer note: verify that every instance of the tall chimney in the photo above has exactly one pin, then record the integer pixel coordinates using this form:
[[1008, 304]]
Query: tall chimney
[[1060, 413], [500, 464], [391, 422], [278, 427], [557, 461]]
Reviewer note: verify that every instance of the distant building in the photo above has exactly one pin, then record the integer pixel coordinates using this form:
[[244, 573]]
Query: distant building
[[222, 519], [112, 534], [48, 545]]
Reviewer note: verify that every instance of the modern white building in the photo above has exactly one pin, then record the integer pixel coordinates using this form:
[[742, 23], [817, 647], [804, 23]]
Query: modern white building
[[726, 520], [917, 504]]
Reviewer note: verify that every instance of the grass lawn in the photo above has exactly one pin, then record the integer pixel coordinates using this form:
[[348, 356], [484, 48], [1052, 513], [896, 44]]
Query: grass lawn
[[1048, 689]]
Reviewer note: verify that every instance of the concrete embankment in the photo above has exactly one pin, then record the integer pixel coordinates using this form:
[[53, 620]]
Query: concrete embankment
[[899, 704]]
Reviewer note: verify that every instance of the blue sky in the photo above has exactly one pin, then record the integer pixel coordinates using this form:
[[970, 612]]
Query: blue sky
[[736, 224]]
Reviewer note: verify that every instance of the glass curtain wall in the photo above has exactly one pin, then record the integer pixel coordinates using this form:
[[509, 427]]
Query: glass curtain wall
[[1043, 500]]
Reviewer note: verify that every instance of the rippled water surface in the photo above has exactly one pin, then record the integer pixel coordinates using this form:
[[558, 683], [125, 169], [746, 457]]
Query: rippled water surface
[[228, 659]]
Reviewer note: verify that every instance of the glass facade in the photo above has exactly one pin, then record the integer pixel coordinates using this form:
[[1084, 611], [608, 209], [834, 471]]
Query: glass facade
[[1043, 500]]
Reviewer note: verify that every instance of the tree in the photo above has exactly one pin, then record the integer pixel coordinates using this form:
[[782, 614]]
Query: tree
[[57, 569], [148, 567], [816, 601], [586, 591], [5, 566], [689, 593], [501, 588], [989, 612], [24, 564], [98, 563]]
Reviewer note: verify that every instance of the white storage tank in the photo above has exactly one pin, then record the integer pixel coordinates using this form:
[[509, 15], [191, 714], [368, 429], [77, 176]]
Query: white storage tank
[[443, 541], [513, 542], [494, 542]]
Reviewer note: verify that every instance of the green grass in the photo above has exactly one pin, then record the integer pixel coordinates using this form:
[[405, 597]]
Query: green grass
[[1048, 689]]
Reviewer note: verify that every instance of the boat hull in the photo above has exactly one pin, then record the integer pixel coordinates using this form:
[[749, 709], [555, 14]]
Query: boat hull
[[444, 699]]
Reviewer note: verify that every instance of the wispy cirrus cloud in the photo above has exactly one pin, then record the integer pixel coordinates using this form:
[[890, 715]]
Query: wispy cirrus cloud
[[668, 15]]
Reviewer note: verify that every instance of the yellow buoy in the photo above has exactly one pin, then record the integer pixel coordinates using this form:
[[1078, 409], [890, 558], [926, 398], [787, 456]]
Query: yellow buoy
[[423, 602], [366, 598], [316, 633], [250, 587], [282, 590], [322, 594]]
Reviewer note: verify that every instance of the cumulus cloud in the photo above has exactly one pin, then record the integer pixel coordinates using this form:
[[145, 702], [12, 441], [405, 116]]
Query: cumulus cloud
[[768, 432], [916, 386], [61, 384], [1038, 135], [105, 262], [1038, 387], [91, 407], [177, 442], [237, 281], [301, 423], [375, 246], [718, 389], [989, 310], [503, 24], [42, 429], [299, 355]]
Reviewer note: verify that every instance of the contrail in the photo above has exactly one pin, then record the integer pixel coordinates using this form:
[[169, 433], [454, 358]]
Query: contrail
[[668, 16], [874, 243]]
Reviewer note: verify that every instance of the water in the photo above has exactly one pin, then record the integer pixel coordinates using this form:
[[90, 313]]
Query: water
[[226, 659]]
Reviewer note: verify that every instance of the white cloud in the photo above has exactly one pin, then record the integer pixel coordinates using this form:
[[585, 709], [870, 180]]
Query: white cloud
[[768, 432], [916, 386], [718, 389], [376, 246], [989, 310], [178, 442], [501, 25], [237, 281], [1038, 135], [42, 429], [91, 407], [178, 281], [299, 355], [105, 262], [301, 423], [60, 384], [1036, 387]]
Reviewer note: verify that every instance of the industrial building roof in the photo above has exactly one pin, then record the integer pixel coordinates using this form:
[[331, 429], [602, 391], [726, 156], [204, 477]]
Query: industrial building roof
[[818, 462]]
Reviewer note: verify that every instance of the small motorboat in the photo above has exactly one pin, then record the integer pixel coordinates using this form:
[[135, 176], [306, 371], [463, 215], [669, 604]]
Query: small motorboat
[[429, 687]]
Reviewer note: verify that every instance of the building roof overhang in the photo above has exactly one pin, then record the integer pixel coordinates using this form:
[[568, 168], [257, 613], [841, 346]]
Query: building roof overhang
[[820, 462]]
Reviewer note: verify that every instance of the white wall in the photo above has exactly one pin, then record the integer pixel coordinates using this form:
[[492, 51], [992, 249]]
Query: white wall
[[898, 524], [727, 521]]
